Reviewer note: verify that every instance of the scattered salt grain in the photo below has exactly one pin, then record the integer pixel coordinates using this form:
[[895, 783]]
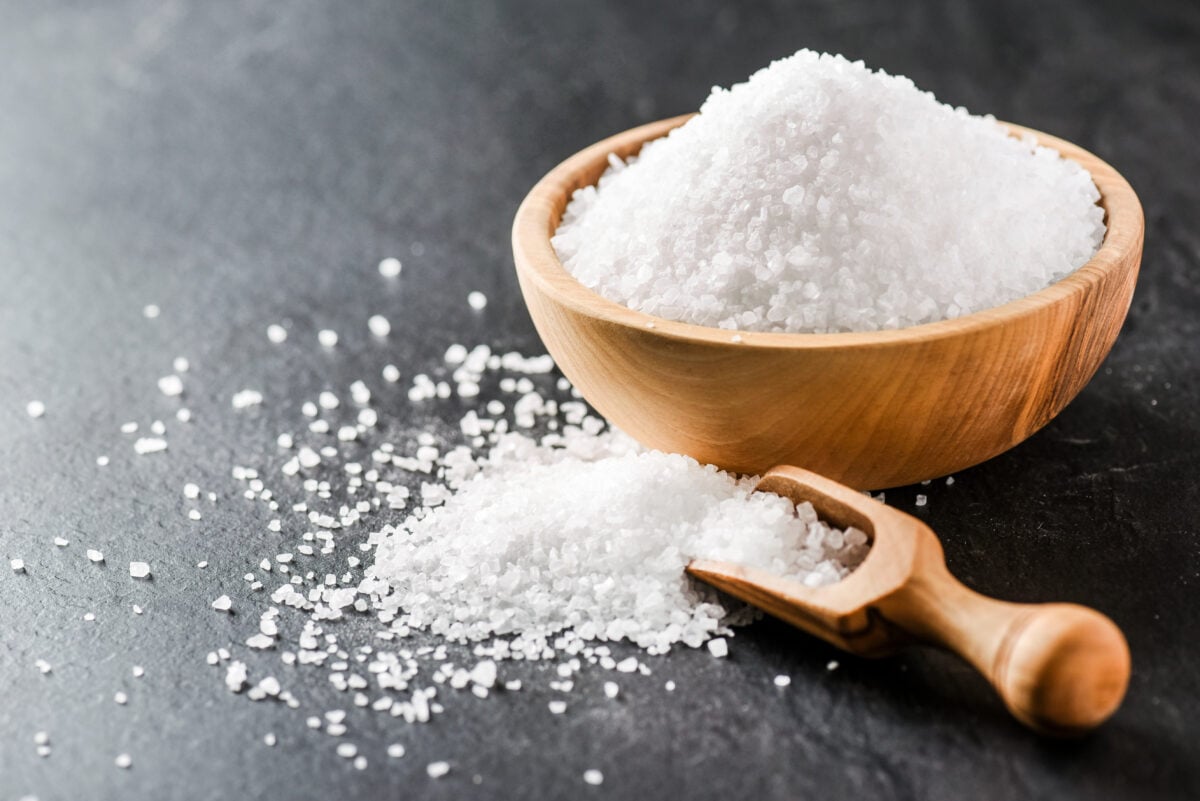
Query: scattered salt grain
[[347, 750], [150, 311], [593, 777], [389, 267], [43, 666], [17, 565], [611, 690], [235, 676], [391, 373], [718, 647], [477, 300], [276, 333], [821, 196], [246, 398], [139, 570], [120, 698], [94, 555], [191, 491], [270, 739], [395, 750], [138, 671], [327, 337], [921, 500], [833, 665], [782, 680], [124, 761], [35, 409], [557, 707], [181, 364], [61, 542], [145, 445], [222, 604], [170, 385], [436, 770], [102, 461], [379, 325], [129, 428]]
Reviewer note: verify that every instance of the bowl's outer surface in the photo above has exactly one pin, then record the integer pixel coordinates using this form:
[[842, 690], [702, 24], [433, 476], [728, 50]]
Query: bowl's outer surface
[[870, 409]]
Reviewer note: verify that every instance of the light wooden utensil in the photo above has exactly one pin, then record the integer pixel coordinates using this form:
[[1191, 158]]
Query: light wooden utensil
[[1061, 669], [872, 410]]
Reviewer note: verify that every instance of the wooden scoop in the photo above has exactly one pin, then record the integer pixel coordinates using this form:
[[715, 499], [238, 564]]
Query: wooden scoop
[[1061, 669]]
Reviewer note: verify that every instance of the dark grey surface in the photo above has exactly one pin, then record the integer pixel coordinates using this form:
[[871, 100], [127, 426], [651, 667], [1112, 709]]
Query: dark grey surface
[[242, 163]]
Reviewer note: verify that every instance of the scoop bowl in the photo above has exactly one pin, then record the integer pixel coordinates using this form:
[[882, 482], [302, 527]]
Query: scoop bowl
[[869, 409]]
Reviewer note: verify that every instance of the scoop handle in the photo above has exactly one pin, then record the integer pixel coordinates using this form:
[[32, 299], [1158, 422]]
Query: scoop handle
[[1060, 668]]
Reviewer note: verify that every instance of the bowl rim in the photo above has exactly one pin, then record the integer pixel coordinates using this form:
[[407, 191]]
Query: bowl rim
[[539, 215]]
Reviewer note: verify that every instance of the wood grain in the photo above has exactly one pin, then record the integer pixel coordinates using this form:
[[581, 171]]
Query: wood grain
[[871, 409], [1061, 669]]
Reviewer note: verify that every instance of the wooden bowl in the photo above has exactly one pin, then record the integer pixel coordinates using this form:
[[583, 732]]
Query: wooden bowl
[[869, 409]]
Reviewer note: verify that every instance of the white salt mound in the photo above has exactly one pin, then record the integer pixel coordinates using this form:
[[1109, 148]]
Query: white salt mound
[[821, 196], [592, 538]]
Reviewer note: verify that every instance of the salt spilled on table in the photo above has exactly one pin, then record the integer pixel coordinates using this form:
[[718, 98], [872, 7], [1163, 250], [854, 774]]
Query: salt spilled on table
[[594, 539], [821, 196]]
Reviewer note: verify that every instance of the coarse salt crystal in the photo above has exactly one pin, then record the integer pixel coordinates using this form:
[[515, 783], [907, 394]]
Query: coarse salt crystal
[[276, 333], [379, 325], [170, 385], [222, 604], [145, 445], [389, 267], [593, 777], [477, 300], [327, 337], [437, 769], [35, 409], [246, 398], [139, 569]]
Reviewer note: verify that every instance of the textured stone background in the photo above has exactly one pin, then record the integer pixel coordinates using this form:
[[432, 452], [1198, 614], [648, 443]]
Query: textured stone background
[[247, 162]]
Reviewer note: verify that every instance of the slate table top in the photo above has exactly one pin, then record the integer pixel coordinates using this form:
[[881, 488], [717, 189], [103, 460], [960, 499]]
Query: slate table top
[[250, 162]]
